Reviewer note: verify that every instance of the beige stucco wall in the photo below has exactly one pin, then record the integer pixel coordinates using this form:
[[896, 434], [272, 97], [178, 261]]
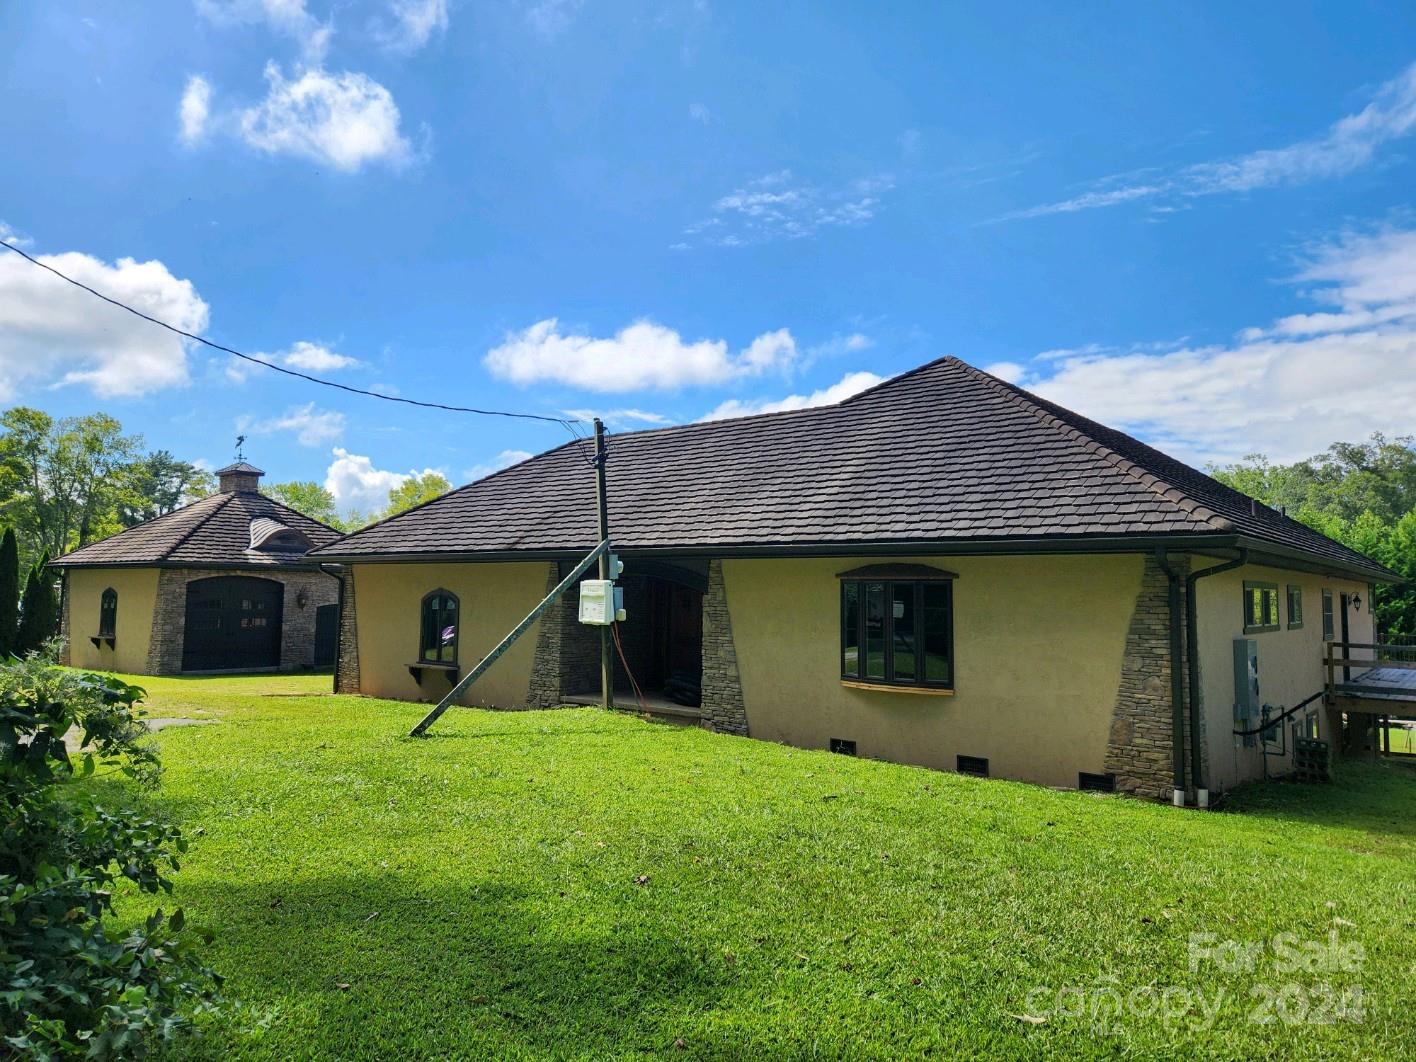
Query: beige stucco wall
[[1290, 660], [1039, 644], [137, 594], [492, 599]]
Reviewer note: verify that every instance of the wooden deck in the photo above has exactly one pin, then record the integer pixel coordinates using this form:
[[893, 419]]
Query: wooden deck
[[1372, 678]]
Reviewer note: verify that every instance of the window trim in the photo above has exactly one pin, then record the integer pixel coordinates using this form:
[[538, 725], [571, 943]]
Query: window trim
[[1261, 586], [423, 657], [1294, 589], [1329, 616], [918, 577], [108, 613]]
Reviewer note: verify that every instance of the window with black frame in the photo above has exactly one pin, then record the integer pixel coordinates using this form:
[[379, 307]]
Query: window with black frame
[[108, 614], [1260, 607], [897, 630], [438, 641]]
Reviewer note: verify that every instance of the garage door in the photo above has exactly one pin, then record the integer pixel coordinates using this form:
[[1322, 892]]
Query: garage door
[[233, 623]]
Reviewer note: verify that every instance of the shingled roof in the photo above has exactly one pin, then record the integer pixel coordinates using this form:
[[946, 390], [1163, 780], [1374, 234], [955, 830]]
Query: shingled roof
[[212, 533], [943, 458]]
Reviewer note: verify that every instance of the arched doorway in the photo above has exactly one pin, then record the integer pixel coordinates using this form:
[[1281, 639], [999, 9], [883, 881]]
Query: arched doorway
[[233, 624]]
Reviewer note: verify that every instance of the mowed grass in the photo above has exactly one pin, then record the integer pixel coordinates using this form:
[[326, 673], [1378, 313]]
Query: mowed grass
[[576, 883]]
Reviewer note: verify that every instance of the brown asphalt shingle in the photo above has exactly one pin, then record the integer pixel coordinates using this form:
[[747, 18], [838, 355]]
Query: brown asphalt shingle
[[212, 532], [944, 453]]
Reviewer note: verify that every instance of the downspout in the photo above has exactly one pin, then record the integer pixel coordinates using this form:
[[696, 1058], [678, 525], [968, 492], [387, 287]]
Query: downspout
[[338, 576], [1177, 687], [1192, 638]]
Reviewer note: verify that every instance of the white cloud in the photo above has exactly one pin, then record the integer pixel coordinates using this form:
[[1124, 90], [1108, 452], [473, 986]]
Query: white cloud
[[619, 418], [10, 236], [342, 120], [699, 112], [850, 384], [415, 23], [357, 485], [1347, 145], [505, 459], [550, 18], [644, 354], [1007, 370], [311, 426], [289, 17], [1288, 390], [778, 206], [195, 109], [52, 332], [314, 357]]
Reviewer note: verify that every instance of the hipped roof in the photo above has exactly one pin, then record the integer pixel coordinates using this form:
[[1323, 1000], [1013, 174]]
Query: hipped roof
[[214, 532], [945, 458]]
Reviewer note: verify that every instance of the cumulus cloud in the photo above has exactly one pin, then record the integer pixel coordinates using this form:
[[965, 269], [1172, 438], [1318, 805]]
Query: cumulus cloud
[[644, 354], [505, 459], [851, 384], [314, 357], [414, 24], [778, 206], [195, 109], [310, 426], [10, 236], [1347, 145], [51, 332], [1288, 389], [344, 120], [357, 485], [289, 17]]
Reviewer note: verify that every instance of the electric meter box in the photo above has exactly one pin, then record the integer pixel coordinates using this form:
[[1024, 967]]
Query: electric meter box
[[1247, 703], [597, 602]]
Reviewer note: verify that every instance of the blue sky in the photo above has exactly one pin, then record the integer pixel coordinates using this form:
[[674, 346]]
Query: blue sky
[[1196, 225]]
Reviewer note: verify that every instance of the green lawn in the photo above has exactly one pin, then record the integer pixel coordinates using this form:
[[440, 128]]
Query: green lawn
[[1402, 739], [576, 883]]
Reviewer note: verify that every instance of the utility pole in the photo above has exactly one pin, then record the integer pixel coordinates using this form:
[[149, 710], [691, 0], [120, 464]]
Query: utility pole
[[607, 692]]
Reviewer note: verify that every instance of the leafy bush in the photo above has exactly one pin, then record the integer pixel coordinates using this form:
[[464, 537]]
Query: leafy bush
[[66, 987]]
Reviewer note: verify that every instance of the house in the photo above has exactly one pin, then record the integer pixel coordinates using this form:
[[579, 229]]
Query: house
[[222, 584], [943, 570]]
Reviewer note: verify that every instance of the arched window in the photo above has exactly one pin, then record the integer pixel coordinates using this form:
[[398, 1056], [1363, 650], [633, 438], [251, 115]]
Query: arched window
[[438, 641], [108, 613]]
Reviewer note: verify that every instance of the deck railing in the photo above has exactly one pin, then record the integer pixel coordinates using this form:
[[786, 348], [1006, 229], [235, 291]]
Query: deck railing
[[1386, 655]]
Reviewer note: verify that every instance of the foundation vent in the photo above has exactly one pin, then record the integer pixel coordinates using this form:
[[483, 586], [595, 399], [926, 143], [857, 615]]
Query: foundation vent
[[844, 747], [1096, 783], [974, 765]]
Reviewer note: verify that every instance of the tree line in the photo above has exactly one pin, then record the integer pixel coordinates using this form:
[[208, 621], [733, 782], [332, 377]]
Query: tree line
[[1361, 494]]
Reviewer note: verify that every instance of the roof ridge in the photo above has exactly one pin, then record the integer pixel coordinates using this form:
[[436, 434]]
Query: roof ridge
[[1169, 491]]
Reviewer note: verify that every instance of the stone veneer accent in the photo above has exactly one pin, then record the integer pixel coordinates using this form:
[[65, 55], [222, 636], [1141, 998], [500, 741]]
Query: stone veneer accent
[[1140, 748], [567, 658], [346, 667], [297, 637], [723, 708]]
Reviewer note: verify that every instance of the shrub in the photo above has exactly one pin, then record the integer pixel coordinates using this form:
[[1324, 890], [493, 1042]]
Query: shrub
[[66, 986]]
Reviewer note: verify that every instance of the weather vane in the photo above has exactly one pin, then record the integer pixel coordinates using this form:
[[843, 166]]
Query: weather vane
[[240, 442]]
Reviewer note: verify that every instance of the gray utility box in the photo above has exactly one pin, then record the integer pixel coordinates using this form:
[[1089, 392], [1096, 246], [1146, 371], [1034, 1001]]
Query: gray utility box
[[1247, 703]]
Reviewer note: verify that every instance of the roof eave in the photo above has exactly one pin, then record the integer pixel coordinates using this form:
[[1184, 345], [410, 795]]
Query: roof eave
[[1302, 560], [1044, 544]]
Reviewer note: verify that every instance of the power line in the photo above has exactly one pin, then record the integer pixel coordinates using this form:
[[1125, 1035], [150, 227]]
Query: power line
[[565, 422]]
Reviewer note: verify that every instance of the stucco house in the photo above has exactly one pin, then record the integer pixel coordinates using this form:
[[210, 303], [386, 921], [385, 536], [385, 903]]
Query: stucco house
[[222, 584], [944, 570]]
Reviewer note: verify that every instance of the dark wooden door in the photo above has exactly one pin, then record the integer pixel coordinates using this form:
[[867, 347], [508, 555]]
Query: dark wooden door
[[326, 635], [233, 623]]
